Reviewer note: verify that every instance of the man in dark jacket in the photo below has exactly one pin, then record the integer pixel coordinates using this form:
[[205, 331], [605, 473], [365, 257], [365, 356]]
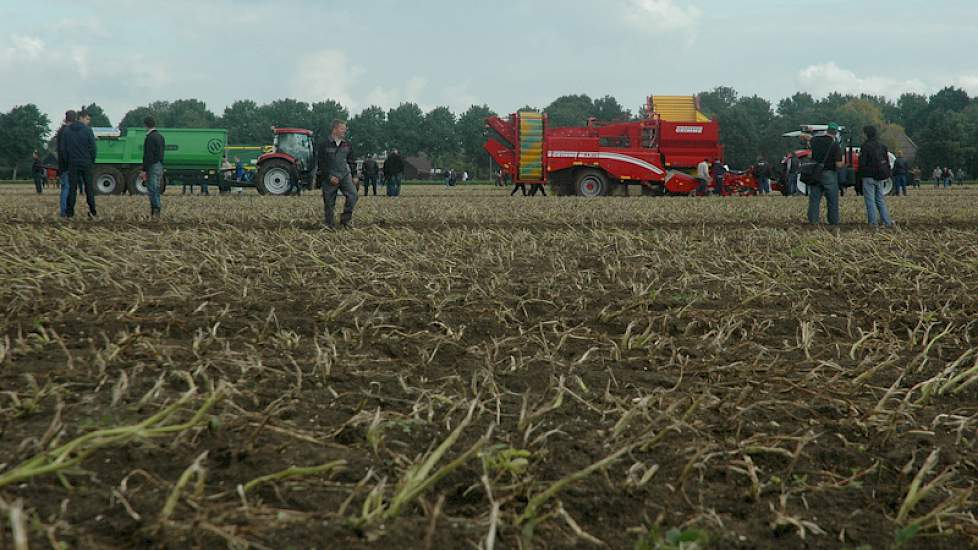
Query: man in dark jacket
[[371, 170], [337, 172], [70, 117], [393, 171], [874, 170], [762, 172], [826, 149], [154, 147], [79, 147], [39, 173], [901, 173]]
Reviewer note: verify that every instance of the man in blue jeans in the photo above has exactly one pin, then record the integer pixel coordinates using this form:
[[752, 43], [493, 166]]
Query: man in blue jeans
[[393, 170], [70, 117], [874, 169], [154, 147], [826, 148]]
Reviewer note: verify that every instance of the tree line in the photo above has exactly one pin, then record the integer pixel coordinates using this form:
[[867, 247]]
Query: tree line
[[943, 125]]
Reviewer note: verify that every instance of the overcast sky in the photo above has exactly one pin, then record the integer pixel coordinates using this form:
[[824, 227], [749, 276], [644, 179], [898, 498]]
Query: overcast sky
[[506, 53]]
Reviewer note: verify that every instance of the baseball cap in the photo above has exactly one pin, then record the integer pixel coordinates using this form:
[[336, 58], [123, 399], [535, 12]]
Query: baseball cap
[[833, 126]]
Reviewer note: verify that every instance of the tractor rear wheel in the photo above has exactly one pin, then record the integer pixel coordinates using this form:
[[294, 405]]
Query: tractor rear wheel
[[108, 180], [591, 183], [274, 176]]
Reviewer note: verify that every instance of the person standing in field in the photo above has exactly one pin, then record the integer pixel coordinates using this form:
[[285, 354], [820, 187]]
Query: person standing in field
[[936, 174], [393, 171], [719, 171], [370, 172], [947, 177], [901, 172], [518, 187], [703, 176], [154, 147], [792, 171], [535, 187], [337, 173], [762, 171], [70, 117], [825, 148], [874, 170], [38, 173], [80, 150]]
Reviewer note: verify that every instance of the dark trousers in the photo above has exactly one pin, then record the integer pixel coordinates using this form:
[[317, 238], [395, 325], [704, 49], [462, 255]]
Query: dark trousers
[[368, 182], [719, 183], [39, 181], [80, 177], [294, 185], [518, 187], [537, 187]]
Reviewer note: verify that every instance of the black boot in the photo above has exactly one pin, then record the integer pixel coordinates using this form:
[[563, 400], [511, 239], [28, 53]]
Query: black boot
[[154, 213]]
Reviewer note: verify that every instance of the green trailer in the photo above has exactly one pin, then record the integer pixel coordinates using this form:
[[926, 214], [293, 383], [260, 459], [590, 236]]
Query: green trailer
[[192, 155]]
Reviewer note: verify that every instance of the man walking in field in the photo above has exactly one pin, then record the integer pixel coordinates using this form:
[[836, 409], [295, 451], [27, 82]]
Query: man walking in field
[[153, 149], [80, 149], [337, 174], [825, 149], [393, 171], [762, 171], [719, 172]]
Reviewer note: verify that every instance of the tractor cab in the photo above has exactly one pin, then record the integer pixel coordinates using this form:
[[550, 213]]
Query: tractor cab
[[296, 143]]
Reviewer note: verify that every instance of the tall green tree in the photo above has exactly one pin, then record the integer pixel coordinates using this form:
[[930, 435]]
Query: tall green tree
[[438, 134], [288, 113], [607, 109], [569, 110], [942, 140], [717, 100], [23, 130], [471, 128], [189, 113], [159, 110], [404, 129], [950, 99], [99, 118], [245, 124], [912, 111], [368, 131], [323, 114]]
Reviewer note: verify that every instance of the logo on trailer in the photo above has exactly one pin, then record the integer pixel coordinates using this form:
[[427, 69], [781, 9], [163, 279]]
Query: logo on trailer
[[689, 129], [215, 146]]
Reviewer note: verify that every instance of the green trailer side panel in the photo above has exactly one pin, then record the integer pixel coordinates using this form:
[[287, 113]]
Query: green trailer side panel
[[186, 148]]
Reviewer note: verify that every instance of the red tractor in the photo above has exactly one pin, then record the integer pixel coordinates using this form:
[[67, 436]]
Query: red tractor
[[660, 152], [292, 158]]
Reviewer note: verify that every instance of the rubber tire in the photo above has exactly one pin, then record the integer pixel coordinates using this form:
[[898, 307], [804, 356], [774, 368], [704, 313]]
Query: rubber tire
[[591, 177], [272, 165], [131, 178], [109, 172]]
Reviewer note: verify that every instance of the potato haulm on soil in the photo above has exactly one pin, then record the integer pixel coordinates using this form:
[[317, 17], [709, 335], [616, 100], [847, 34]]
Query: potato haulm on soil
[[469, 370]]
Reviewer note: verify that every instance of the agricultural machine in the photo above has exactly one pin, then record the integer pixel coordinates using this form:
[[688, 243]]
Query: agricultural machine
[[292, 157], [850, 155], [192, 155], [660, 152]]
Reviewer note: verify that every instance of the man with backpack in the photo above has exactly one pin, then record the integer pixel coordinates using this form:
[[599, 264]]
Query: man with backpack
[[827, 154], [874, 169]]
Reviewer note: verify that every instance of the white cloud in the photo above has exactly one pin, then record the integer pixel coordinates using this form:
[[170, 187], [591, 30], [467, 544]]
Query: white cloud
[[969, 83], [821, 80], [21, 49], [327, 74], [412, 91], [662, 15]]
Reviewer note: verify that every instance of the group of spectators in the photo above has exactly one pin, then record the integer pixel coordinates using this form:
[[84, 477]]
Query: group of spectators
[[389, 175], [945, 176]]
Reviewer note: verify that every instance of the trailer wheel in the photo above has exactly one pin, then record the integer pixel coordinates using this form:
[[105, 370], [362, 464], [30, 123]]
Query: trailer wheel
[[137, 184], [108, 180], [591, 183], [274, 176]]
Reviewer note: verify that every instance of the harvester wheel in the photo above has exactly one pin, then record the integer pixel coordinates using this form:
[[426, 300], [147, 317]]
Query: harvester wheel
[[108, 180], [591, 183], [273, 177]]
